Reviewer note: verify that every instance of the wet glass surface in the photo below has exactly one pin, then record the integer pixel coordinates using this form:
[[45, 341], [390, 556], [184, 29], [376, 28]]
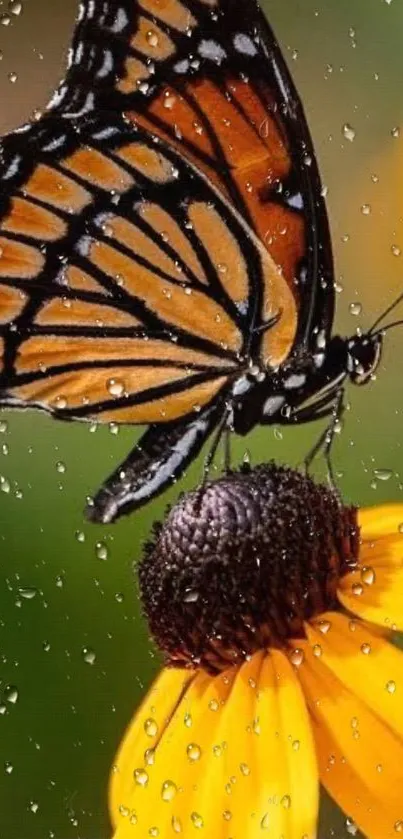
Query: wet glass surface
[[74, 652]]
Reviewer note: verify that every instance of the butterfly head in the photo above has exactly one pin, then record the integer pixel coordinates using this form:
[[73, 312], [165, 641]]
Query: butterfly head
[[363, 356]]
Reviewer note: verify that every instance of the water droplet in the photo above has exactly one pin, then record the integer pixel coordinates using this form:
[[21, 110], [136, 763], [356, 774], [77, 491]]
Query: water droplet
[[366, 648], [391, 686], [286, 802], [190, 596], [169, 790], [12, 77], [60, 467], [400, 527], [368, 575], [176, 825], [366, 209], [33, 806], [399, 826], [80, 536], [383, 474], [115, 387], [140, 777], [265, 823], [351, 827], [101, 550], [149, 757], [89, 655], [5, 485], [8, 767], [355, 309], [11, 694], [197, 820], [152, 38], [153, 831], [395, 250], [357, 589], [296, 745], [297, 657], [28, 593], [244, 769], [151, 727], [3, 427], [213, 705], [15, 8], [227, 815], [193, 752], [133, 818], [396, 130], [188, 720], [348, 132], [317, 650], [217, 751]]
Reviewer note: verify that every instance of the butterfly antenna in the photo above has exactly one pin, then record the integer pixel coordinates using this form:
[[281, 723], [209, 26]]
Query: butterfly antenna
[[385, 314], [391, 325]]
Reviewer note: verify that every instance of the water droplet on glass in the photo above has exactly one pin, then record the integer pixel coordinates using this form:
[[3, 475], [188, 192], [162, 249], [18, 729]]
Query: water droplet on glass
[[101, 551], [197, 820], [368, 575], [348, 132], [151, 727], [140, 777], [11, 694], [168, 791], [193, 752], [89, 655], [297, 657]]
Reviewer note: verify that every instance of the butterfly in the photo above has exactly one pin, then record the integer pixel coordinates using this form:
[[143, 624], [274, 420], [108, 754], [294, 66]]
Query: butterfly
[[165, 256]]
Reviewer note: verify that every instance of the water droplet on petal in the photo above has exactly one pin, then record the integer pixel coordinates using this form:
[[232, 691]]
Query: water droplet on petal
[[89, 655], [368, 575], [193, 752], [169, 790], [140, 777], [297, 657], [348, 132], [265, 823], [197, 820], [151, 727], [391, 686], [11, 694], [176, 825]]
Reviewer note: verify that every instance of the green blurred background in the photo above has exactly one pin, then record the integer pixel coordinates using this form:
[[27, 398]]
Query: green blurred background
[[73, 647]]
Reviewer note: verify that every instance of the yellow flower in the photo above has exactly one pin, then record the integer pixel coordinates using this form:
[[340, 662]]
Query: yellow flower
[[234, 742]]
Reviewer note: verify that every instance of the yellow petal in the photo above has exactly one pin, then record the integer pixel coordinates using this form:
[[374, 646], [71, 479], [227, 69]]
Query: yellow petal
[[366, 664], [360, 758], [374, 591], [379, 521], [230, 760], [142, 735]]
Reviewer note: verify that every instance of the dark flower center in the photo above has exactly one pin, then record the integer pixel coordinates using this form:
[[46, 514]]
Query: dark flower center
[[241, 563]]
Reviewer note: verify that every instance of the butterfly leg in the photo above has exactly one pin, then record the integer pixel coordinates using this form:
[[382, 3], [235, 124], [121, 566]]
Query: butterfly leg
[[222, 430], [325, 441], [157, 461]]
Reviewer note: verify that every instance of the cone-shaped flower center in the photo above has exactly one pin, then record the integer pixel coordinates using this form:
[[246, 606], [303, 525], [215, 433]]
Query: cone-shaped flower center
[[241, 563]]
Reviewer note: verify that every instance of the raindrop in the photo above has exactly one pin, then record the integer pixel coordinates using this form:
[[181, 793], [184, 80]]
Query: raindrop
[[80, 536], [324, 626], [399, 826], [12, 77], [169, 790], [366, 649], [317, 650], [140, 777], [115, 387], [395, 132], [152, 38], [395, 250], [351, 827], [3, 427], [265, 823], [197, 820], [34, 807], [368, 575], [383, 474], [297, 657], [190, 596], [286, 802], [348, 132], [89, 655], [357, 589], [355, 309], [227, 815], [244, 769], [217, 751], [15, 8], [366, 209], [151, 727], [5, 485], [391, 686], [188, 720], [296, 745], [101, 551], [8, 767], [193, 752], [176, 825], [133, 818], [27, 593], [149, 757], [153, 831], [61, 467], [213, 705], [11, 694]]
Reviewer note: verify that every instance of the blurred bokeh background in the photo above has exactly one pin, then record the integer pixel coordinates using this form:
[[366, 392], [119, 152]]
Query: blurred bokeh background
[[74, 652]]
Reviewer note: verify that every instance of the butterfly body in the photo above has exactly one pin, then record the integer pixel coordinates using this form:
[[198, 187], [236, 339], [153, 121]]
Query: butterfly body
[[165, 250]]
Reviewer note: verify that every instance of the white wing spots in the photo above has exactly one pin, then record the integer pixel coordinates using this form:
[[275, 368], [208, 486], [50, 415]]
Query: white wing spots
[[90, 9], [212, 51], [106, 66], [87, 106], [81, 12], [121, 21], [182, 66], [57, 143], [106, 133], [295, 381], [57, 97], [242, 385], [244, 44], [272, 405], [79, 53], [83, 246], [12, 168]]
